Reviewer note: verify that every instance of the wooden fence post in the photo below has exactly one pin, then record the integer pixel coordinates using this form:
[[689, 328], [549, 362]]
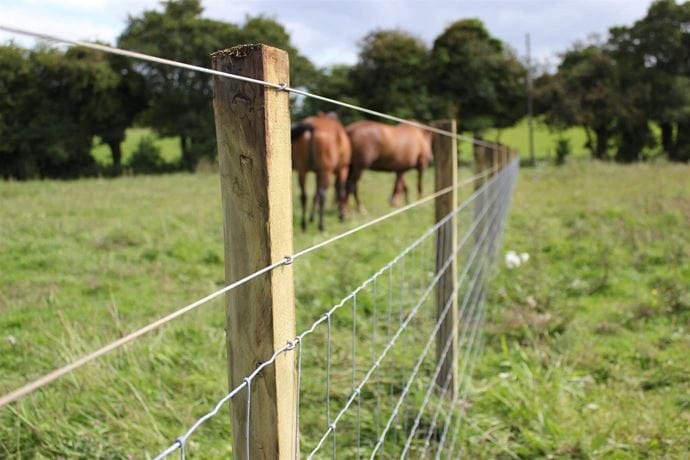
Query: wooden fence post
[[479, 152], [445, 149], [253, 134]]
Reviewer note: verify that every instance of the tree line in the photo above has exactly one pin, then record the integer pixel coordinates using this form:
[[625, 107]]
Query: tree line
[[54, 102], [623, 88]]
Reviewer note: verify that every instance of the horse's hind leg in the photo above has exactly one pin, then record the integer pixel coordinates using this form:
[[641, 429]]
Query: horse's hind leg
[[420, 181], [315, 201], [321, 188], [404, 187], [398, 188], [339, 187], [303, 197], [352, 188], [340, 195]]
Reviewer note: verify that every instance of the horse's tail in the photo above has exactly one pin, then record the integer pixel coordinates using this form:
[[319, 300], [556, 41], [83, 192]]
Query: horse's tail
[[298, 130], [305, 129]]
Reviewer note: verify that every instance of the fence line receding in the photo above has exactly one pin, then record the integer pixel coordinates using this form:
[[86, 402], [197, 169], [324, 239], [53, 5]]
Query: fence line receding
[[383, 391]]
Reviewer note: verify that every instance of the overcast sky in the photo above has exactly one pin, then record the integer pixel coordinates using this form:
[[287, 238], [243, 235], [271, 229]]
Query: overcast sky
[[328, 31]]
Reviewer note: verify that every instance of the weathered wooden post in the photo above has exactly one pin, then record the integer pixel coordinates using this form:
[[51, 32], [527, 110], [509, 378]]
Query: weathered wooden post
[[445, 150], [254, 151], [479, 153]]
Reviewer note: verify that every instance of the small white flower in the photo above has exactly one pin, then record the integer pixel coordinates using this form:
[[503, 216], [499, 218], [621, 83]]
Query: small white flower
[[12, 340], [512, 259], [524, 257], [591, 406], [504, 375]]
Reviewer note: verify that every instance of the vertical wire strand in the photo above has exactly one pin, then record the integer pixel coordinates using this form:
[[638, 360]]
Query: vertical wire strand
[[248, 419], [389, 327], [299, 389], [373, 358], [354, 365], [328, 369], [401, 316]]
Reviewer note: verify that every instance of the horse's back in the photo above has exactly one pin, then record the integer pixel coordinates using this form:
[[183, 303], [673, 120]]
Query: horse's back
[[370, 141]]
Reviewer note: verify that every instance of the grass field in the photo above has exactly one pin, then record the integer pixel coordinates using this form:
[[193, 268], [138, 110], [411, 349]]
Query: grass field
[[586, 344]]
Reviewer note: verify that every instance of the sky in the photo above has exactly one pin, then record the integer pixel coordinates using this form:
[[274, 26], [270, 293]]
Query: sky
[[328, 31]]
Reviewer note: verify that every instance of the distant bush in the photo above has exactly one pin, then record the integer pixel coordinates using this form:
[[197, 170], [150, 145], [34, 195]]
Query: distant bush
[[147, 159], [562, 150]]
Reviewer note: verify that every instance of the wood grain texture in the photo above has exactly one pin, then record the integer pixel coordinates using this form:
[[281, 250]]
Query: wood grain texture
[[445, 151], [253, 134]]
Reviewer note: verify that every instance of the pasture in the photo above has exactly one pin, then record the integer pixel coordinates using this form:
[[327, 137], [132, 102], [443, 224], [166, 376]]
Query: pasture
[[586, 345]]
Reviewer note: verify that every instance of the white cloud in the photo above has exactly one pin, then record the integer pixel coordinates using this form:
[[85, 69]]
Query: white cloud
[[45, 21]]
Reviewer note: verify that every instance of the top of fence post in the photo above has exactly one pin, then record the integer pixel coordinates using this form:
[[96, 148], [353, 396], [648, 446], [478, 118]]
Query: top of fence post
[[254, 151]]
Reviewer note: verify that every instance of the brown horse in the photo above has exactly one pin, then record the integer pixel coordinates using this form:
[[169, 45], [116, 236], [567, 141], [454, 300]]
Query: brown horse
[[320, 144], [382, 147]]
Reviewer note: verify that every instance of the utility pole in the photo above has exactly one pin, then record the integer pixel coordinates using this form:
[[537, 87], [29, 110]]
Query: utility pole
[[529, 99]]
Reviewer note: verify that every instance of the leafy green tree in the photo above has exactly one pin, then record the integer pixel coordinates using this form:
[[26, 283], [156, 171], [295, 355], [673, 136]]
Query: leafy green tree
[[181, 100], [16, 98], [113, 108], [583, 92], [653, 57], [335, 82], [50, 96], [389, 74], [476, 78], [262, 29]]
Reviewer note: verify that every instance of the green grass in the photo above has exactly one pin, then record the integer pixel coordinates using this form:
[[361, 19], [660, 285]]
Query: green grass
[[545, 139], [587, 342], [585, 347]]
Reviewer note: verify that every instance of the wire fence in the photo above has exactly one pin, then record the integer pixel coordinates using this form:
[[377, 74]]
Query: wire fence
[[383, 370], [367, 361]]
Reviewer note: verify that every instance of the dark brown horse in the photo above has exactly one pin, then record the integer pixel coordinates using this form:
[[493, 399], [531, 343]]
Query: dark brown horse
[[382, 147], [320, 144]]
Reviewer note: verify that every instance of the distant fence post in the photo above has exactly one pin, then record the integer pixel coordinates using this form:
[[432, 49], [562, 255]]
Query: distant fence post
[[253, 134], [445, 149]]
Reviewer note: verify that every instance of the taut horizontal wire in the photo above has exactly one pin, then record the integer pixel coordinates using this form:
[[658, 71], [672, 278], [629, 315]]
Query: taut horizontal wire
[[277, 86], [57, 373]]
